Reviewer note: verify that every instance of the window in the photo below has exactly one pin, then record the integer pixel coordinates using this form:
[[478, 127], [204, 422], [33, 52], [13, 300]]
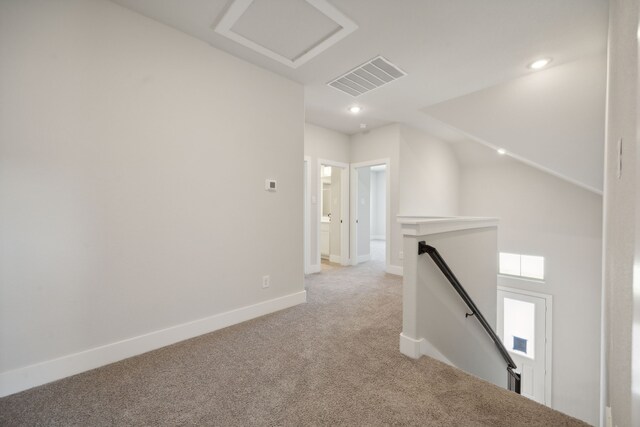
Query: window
[[520, 344], [519, 327], [528, 266]]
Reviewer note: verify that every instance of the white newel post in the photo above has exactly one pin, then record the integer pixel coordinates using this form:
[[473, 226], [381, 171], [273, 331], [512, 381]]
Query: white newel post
[[409, 341]]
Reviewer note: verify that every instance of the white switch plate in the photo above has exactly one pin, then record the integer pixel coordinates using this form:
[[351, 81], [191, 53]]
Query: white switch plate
[[401, 255], [266, 281], [270, 185]]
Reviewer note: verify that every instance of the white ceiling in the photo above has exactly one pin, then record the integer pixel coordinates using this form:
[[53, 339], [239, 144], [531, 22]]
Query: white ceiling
[[449, 49]]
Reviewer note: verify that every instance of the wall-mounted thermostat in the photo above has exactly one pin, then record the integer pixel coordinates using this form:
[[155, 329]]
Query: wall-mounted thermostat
[[270, 185]]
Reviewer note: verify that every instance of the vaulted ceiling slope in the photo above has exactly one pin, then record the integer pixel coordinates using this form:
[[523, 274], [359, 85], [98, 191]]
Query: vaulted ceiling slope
[[449, 50], [553, 119]]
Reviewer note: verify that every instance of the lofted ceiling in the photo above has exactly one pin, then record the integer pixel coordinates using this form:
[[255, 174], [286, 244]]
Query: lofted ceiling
[[450, 50], [553, 119]]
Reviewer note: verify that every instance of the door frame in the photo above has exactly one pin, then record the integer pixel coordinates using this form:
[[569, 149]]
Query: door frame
[[354, 207], [548, 325], [344, 209], [307, 214]]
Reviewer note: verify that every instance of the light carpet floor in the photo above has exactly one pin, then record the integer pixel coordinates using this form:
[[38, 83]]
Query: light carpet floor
[[332, 361]]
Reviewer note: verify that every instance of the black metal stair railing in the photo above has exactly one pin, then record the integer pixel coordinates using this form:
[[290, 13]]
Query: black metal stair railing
[[513, 378]]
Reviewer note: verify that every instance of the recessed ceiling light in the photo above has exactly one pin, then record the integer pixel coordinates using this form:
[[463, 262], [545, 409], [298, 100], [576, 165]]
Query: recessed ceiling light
[[540, 63], [355, 109], [363, 125], [502, 151]]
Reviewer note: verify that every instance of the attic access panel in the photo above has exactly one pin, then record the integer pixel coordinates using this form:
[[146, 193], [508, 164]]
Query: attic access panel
[[288, 31]]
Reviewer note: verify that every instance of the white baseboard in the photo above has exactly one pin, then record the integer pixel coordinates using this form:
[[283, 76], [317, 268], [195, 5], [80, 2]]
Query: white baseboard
[[335, 258], [410, 346], [55, 369], [376, 237], [364, 258], [394, 269], [315, 268], [415, 348]]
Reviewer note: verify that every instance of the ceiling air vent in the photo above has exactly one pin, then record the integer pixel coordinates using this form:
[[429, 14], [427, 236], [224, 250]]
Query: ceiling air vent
[[367, 77]]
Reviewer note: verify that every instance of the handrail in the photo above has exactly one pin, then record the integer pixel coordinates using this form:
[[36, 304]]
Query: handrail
[[513, 377]]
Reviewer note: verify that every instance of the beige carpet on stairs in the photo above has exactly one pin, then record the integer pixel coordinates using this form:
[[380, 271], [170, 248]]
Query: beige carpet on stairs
[[332, 361]]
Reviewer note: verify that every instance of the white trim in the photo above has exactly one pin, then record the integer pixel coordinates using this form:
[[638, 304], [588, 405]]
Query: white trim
[[344, 208], [422, 226], [335, 258], [41, 373], [604, 299], [364, 258], [415, 348], [378, 237], [239, 7], [314, 268], [548, 333], [307, 215], [394, 269], [410, 346], [353, 207], [520, 279]]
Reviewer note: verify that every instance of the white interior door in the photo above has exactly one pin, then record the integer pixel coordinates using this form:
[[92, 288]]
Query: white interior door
[[356, 201], [522, 327], [333, 211], [363, 214]]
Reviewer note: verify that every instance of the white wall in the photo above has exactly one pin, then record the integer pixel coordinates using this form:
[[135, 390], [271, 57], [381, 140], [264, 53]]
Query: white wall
[[131, 188], [441, 311], [429, 175], [543, 215], [622, 216], [423, 173], [434, 321], [378, 204], [364, 212], [320, 143]]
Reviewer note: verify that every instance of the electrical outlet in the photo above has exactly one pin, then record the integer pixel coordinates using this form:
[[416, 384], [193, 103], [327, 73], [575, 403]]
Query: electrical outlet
[[266, 281], [401, 255]]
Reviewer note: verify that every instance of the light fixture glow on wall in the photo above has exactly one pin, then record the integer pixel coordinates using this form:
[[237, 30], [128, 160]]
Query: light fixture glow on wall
[[355, 109], [540, 63], [502, 151]]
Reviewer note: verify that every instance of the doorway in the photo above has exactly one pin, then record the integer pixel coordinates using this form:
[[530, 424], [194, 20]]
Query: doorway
[[306, 210], [370, 182], [524, 325], [333, 212]]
